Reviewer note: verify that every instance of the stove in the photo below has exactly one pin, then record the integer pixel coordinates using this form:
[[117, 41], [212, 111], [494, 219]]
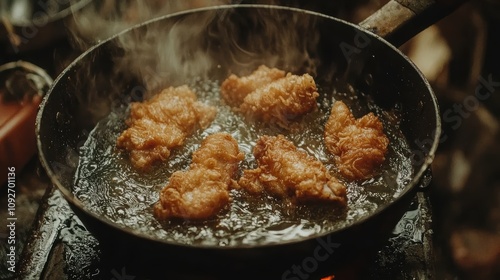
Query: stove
[[60, 247]]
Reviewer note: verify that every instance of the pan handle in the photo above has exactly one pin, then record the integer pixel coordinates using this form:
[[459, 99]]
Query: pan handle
[[399, 20]]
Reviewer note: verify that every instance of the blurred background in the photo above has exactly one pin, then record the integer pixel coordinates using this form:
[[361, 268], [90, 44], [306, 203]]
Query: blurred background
[[460, 56]]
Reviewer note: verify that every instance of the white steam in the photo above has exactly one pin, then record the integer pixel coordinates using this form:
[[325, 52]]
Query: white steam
[[170, 52]]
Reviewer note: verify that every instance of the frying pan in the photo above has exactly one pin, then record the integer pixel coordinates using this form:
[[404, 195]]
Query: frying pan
[[234, 39]]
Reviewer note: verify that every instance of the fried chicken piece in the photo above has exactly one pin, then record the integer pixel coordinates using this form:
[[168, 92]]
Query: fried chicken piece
[[282, 101], [359, 145], [269, 96], [194, 194], [203, 190], [234, 89], [219, 152], [285, 171], [158, 125]]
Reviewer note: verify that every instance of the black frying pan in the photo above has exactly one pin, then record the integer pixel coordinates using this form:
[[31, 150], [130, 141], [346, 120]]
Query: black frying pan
[[347, 61]]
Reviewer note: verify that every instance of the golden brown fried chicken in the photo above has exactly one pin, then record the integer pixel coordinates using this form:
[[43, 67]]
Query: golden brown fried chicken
[[359, 145], [194, 194], [234, 89], [203, 190], [219, 152], [282, 101], [285, 171], [269, 96], [162, 123]]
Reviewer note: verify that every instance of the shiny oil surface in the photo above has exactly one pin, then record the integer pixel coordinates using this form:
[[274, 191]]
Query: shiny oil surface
[[109, 186]]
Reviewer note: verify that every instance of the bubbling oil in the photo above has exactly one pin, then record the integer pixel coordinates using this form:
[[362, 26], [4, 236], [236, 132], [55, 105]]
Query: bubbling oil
[[109, 186]]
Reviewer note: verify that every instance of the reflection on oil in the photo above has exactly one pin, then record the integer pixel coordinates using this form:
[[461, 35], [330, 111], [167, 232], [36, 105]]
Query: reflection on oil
[[107, 184]]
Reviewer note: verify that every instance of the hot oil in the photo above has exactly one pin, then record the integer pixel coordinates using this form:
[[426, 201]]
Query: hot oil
[[108, 185]]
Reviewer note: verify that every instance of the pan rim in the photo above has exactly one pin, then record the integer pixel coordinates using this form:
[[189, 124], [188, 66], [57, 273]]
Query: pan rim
[[70, 197]]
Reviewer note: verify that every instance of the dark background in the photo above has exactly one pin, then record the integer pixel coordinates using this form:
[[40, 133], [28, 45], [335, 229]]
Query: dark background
[[455, 54]]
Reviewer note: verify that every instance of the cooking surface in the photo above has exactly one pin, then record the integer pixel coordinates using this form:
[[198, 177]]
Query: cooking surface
[[71, 252]]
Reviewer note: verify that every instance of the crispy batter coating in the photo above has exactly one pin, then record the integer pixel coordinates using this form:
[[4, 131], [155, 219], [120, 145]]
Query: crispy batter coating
[[219, 152], [282, 101], [234, 89], [162, 123], [269, 96], [285, 171], [203, 190], [359, 145]]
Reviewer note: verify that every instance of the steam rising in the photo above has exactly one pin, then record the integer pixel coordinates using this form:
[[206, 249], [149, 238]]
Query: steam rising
[[171, 52], [103, 19], [164, 54]]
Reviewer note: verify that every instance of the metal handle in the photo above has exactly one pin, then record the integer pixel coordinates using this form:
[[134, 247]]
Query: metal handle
[[399, 20]]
